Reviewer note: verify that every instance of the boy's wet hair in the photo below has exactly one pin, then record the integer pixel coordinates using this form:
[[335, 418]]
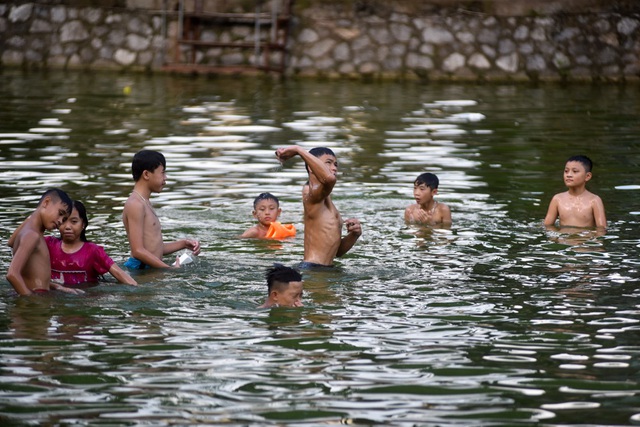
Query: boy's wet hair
[[428, 179], [583, 160], [281, 274], [56, 195], [318, 152], [82, 212], [146, 160], [265, 196]]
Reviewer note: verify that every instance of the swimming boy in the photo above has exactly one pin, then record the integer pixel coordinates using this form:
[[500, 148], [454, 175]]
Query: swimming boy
[[427, 210], [284, 286], [323, 239], [30, 269], [577, 207], [140, 220], [266, 209]]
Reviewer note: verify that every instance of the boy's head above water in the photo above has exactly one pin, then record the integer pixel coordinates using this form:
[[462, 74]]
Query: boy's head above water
[[428, 179], [266, 209], [284, 286], [583, 160], [146, 160], [56, 206]]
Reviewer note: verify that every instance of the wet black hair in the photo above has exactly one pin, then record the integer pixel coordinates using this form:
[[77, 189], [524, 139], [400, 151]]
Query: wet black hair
[[428, 179], [318, 152], [265, 196], [82, 212], [281, 274], [57, 194], [583, 160], [146, 160]]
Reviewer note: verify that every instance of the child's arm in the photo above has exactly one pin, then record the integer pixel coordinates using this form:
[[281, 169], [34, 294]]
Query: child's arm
[[59, 287], [121, 275], [354, 230], [598, 213], [552, 212], [28, 243], [316, 166], [250, 233], [171, 247]]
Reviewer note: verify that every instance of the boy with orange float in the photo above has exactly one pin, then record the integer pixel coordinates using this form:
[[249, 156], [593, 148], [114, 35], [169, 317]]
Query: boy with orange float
[[266, 209]]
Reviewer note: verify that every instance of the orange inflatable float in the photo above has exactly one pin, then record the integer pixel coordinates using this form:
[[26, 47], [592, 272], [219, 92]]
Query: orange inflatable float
[[280, 231]]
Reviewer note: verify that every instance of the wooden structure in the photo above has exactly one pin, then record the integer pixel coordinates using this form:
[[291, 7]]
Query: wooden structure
[[211, 32]]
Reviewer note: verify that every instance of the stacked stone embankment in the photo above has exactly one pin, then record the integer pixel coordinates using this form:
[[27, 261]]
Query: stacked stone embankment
[[337, 41]]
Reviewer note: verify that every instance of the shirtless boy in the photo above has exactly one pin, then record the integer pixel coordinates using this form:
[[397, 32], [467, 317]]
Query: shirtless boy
[[323, 239], [284, 286], [427, 210], [577, 207], [140, 220], [30, 269]]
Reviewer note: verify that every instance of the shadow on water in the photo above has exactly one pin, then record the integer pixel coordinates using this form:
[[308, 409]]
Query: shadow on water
[[494, 321]]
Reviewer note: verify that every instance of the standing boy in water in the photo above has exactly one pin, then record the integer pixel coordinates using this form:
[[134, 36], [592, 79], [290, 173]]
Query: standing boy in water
[[323, 239], [140, 220], [577, 207], [284, 286], [30, 268], [427, 210]]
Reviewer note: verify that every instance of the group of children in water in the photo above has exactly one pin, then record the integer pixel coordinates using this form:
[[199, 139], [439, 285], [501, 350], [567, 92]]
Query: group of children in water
[[42, 263]]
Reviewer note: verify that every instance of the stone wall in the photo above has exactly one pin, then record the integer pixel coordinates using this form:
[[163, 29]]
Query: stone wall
[[458, 44], [339, 40]]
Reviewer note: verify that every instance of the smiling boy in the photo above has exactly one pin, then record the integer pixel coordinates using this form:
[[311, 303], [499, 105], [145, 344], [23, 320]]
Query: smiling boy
[[577, 207]]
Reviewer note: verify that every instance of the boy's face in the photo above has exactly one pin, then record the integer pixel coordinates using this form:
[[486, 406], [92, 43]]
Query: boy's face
[[156, 179], [267, 211], [291, 296], [331, 162], [55, 213], [575, 174], [423, 193]]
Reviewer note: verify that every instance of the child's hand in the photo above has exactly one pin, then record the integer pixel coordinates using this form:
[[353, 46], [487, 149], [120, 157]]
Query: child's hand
[[354, 226], [284, 154], [192, 245]]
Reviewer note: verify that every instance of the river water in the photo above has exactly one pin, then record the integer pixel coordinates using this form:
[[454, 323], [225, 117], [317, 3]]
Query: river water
[[493, 322]]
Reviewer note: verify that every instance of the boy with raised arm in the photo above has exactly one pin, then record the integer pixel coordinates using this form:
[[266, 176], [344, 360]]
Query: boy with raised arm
[[577, 207], [284, 287], [143, 227], [427, 210], [323, 239], [30, 269]]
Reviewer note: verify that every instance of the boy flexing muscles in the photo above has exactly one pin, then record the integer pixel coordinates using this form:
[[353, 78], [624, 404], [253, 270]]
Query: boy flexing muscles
[[323, 239]]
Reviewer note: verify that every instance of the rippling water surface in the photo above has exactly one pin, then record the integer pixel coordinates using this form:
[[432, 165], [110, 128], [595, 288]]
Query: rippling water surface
[[495, 321]]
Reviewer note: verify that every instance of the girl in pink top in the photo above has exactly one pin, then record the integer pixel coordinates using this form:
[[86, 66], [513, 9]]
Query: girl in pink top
[[75, 260]]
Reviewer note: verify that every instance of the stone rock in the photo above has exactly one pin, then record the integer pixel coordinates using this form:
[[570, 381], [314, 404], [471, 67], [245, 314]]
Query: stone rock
[[401, 32], [488, 36], [308, 36], [13, 57], [465, 37], [506, 46], [73, 31], [369, 68], [91, 15], [521, 33], [427, 49], [453, 62], [539, 34], [58, 14], [137, 43], [20, 13], [380, 35], [561, 61], [96, 43], [436, 35], [40, 26], [145, 58], [113, 19], [508, 63], [479, 61], [116, 37], [16, 41], [321, 48], [341, 52], [124, 57], [74, 61], [488, 50], [536, 63], [346, 33], [627, 25], [606, 56], [526, 49], [3, 25]]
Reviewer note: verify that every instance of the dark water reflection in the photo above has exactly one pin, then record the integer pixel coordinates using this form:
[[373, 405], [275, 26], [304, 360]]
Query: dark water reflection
[[495, 321]]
